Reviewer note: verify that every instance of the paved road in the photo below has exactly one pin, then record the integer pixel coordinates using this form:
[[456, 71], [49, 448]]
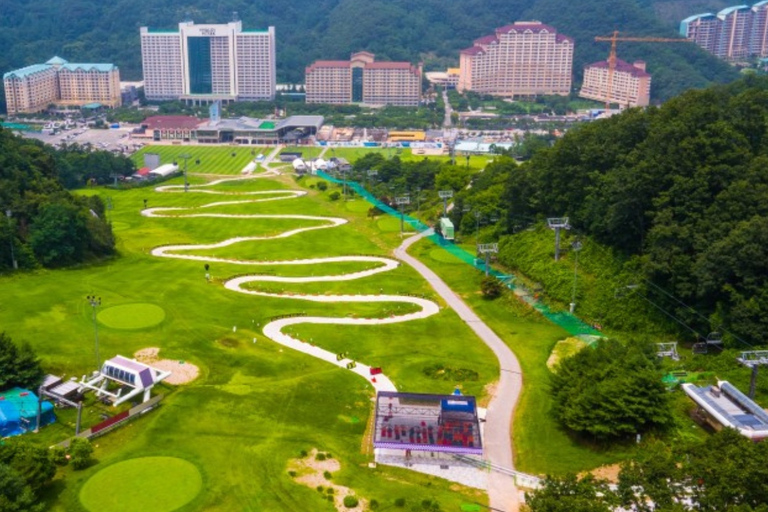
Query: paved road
[[502, 492], [447, 122]]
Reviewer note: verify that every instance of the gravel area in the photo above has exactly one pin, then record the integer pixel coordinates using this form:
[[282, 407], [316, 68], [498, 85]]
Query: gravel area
[[182, 372]]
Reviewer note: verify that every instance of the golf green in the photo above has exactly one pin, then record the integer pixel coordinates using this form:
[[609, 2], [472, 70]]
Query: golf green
[[138, 315], [148, 484]]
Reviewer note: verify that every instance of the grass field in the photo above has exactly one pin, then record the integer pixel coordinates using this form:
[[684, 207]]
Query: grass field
[[213, 159], [149, 484], [255, 405]]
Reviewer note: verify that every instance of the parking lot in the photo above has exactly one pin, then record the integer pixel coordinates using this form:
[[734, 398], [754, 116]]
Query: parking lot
[[112, 139]]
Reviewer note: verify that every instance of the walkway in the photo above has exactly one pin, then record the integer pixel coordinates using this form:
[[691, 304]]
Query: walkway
[[502, 491]]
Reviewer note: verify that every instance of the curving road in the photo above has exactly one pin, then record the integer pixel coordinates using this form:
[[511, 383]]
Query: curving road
[[502, 491]]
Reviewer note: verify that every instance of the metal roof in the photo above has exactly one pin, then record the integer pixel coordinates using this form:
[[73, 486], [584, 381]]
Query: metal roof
[[27, 71]]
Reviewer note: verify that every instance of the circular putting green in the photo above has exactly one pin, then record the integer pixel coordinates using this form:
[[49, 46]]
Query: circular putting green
[[148, 484], [139, 315]]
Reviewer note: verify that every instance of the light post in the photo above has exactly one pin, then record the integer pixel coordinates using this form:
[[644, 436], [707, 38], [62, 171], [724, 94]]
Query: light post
[[9, 214], [576, 247], [400, 201], [185, 157], [95, 302]]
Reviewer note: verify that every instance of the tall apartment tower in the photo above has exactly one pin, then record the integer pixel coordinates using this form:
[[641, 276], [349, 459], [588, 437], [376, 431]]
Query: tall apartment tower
[[363, 80], [735, 33], [526, 58], [205, 63], [34, 88], [630, 86]]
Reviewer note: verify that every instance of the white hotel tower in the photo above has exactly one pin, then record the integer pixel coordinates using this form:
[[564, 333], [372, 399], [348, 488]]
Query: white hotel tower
[[205, 63]]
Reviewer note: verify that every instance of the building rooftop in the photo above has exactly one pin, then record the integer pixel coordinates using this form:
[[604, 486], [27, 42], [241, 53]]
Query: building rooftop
[[622, 67], [26, 71], [730, 10], [731, 408], [474, 50], [56, 61], [171, 122], [101, 68], [522, 26]]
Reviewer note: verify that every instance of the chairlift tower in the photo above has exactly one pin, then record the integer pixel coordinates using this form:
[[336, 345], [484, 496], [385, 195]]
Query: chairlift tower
[[753, 359], [668, 350], [487, 250], [558, 223], [445, 195], [400, 202]]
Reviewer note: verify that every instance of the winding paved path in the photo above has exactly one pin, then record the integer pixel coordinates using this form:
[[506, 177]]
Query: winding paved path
[[502, 492]]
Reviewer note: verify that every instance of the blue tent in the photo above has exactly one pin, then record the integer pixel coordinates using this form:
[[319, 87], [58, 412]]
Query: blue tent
[[18, 412]]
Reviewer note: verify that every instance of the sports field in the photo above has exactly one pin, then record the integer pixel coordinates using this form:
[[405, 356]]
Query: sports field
[[213, 159], [256, 404]]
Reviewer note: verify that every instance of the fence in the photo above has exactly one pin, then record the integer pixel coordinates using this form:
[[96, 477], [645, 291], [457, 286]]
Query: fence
[[569, 322]]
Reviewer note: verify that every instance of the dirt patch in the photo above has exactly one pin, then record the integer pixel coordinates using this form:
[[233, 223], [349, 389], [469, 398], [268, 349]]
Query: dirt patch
[[610, 473], [563, 350], [310, 471], [228, 342], [489, 391], [182, 372]]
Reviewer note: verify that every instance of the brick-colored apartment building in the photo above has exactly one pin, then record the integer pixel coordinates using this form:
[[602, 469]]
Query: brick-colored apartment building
[[630, 86], [527, 58], [363, 80]]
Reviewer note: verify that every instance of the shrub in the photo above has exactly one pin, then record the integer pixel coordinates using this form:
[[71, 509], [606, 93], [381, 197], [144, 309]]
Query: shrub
[[491, 287], [374, 505], [58, 455], [400, 502], [328, 455], [334, 196], [320, 488], [292, 473], [351, 501], [303, 453], [320, 456], [329, 490], [327, 475], [322, 186], [80, 451]]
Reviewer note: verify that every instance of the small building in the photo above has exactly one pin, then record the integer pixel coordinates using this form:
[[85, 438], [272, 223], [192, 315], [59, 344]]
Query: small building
[[18, 412], [169, 127], [299, 166], [163, 171], [121, 379], [448, 79], [249, 130], [724, 406]]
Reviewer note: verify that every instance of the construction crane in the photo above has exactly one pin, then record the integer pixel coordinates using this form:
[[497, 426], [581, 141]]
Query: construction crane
[[612, 57]]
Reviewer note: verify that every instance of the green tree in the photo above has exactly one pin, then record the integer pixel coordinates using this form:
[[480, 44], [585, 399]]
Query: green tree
[[30, 462], [59, 234], [15, 494], [81, 453], [571, 494], [612, 391], [19, 366]]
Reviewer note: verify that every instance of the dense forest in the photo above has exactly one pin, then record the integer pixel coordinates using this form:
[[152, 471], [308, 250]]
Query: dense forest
[[679, 192], [431, 30], [47, 225]]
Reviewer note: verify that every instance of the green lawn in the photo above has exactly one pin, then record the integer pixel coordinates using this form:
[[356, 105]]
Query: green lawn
[[540, 445], [213, 159], [256, 404]]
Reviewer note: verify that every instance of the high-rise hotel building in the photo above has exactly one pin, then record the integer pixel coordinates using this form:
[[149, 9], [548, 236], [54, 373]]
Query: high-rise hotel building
[[58, 82], [526, 58], [204, 63], [363, 80], [735, 33]]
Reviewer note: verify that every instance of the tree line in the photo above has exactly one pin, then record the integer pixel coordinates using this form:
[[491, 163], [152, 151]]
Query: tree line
[[42, 223]]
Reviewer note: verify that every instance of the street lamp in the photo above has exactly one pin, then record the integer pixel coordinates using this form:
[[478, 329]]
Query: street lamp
[[576, 247], [9, 214], [185, 157], [95, 302], [445, 195]]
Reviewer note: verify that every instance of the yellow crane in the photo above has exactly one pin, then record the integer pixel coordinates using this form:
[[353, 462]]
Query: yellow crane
[[612, 57]]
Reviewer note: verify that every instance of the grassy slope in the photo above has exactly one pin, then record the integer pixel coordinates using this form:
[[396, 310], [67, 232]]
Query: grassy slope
[[255, 405]]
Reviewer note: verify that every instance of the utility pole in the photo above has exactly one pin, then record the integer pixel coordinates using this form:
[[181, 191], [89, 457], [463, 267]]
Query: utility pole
[[477, 215], [558, 223], [753, 359], [487, 249], [185, 157], [445, 195], [400, 202], [576, 247], [95, 302], [9, 214]]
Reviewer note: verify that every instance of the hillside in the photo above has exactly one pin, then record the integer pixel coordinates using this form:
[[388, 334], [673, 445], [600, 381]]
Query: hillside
[[431, 30]]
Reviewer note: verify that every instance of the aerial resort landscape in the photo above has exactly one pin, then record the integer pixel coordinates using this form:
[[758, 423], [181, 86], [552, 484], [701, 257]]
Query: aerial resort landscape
[[349, 256]]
